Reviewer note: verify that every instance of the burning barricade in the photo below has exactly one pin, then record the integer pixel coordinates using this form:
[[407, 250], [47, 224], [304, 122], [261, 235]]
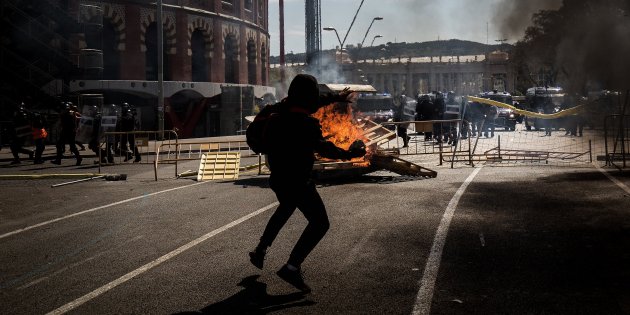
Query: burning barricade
[[342, 127]]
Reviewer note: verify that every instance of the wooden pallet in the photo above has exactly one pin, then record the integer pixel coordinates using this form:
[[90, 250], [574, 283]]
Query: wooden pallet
[[219, 166], [376, 133], [400, 166]]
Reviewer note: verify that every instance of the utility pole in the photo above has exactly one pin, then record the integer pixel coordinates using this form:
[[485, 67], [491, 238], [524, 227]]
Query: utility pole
[[282, 74], [160, 66]]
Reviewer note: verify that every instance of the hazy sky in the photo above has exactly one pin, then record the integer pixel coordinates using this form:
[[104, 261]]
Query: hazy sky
[[403, 20]]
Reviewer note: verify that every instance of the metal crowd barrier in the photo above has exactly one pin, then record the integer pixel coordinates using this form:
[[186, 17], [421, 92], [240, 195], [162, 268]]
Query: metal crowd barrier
[[147, 142], [173, 153], [617, 139], [446, 129]]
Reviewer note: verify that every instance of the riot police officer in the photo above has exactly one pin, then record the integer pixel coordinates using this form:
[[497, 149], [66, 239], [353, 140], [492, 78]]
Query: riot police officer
[[67, 135], [490, 114], [128, 124], [22, 129], [399, 115]]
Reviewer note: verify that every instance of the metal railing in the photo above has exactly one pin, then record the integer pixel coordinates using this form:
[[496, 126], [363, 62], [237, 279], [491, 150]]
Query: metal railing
[[114, 146], [617, 139], [432, 137], [173, 153]]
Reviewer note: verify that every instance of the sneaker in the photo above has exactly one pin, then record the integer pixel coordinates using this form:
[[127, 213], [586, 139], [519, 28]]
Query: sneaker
[[257, 258], [58, 162], [294, 278], [31, 155], [38, 162], [79, 159], [138, 159]]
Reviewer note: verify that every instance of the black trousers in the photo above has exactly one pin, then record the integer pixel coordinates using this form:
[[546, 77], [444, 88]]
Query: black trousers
[[69, 139], [17, 147], [39, 149], [305, 198], [131, 140]]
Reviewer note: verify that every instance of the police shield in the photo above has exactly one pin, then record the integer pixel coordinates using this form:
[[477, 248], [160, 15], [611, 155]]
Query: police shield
[[109, 122], [86, 124]]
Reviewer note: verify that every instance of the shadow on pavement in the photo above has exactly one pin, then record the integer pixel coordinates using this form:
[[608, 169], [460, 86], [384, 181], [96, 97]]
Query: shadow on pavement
[[262, 182], [254, 299], [367, 179]]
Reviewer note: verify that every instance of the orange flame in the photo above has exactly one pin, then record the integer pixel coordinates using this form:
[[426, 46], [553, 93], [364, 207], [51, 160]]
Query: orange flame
[[340, 127]]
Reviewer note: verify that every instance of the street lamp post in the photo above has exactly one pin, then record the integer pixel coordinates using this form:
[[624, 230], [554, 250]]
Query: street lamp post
[[378, 18], [348, 32], [375, 37], [339, 39]]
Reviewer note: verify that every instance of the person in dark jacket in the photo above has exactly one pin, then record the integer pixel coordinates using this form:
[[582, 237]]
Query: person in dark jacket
[[399, 116], [128, 124], [40, 134], [296, 137], [68, 134], [424, 110], [22, 129], [548, 108]]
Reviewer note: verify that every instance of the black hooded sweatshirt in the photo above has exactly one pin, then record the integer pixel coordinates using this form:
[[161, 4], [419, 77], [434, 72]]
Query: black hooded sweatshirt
[[294, 137]]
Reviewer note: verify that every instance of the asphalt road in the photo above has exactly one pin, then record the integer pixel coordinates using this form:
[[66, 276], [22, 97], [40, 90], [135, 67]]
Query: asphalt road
[[520, 240]]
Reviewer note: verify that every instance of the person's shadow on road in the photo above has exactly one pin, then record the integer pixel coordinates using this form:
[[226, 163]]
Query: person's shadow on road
[[254, 299]]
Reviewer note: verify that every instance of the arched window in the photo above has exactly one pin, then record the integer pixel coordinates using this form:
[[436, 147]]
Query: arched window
[[251, 61], [200, 61], [151, 55], [111, 55], [263, 64], [231, 59]]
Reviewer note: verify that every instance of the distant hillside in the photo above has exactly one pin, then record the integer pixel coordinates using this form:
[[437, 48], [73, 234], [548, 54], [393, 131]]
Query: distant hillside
[[451, 47]]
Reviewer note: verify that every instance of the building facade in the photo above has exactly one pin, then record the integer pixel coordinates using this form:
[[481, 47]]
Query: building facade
[[110, 47], [464, 75]]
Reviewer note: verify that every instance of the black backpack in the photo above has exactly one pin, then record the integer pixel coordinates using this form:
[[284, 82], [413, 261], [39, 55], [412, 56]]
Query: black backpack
[[256, 132]]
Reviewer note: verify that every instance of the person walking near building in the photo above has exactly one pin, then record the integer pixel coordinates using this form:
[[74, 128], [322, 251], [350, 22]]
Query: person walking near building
[[67, 135], [294, 137], [22, 128]]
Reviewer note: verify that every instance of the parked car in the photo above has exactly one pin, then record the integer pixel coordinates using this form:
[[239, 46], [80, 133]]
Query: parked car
[[377, 107], [535, 99]]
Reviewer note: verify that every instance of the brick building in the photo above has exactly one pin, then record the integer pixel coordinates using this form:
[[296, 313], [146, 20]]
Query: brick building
[[212, 48]]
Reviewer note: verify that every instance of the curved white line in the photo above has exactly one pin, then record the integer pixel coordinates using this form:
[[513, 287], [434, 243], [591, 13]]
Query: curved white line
[[427, 283]]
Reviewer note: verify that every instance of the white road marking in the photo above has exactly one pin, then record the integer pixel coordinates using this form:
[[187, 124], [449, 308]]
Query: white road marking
[[94, 209], [78, 302], [614, 180], [36, 281], [427, 283], [356, 250]]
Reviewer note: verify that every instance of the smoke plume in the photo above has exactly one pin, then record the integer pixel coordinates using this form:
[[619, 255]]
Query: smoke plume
[[586, 42], [514, 16]]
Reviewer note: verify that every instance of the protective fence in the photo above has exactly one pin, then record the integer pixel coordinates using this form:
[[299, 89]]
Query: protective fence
[[137, 147], [576, 136], [616, 141], [194, 150]]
